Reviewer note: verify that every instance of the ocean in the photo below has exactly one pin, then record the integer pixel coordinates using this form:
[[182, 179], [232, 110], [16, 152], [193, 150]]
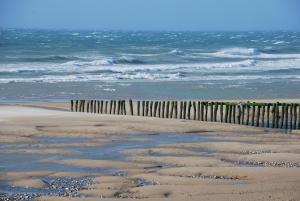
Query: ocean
[[43, 65]]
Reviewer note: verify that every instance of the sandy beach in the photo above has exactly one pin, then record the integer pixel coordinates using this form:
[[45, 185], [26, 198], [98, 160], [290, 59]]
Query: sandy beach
[[48, 153]]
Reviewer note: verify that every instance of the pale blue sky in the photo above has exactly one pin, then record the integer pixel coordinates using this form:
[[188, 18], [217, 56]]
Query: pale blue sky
[[151, 14]]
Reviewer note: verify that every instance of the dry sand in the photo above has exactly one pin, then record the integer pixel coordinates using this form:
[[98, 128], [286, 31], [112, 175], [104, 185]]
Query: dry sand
[[182, 171]]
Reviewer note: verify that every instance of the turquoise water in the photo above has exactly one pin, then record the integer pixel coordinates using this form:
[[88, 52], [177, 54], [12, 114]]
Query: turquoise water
[[38, 65]]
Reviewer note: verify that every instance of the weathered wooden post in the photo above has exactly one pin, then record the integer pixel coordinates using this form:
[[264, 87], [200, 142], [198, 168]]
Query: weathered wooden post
[[124, 106], [226, 112], [95, 106], [243, 113], [206, 111], [211, 111], [234, 112], [239, 113], [115, 106], [88, 106], [263, 115], [150, 108], [202, 111], [91, 106], [155, 108], [143, 108], [268, 115], [76, 106], [167, 109], [295, 116], [131, 107], [159, 109], [277, 117], [198, 110], [221, 111], [181, 110], [184, 109], [253, 114], [258, 115], [273, 115], [291, 116], [195, 110], [147, 108], [110, 106], [189, 110], [298, 116], [282, 115], [176, 109], [248, 113], [230, 112], [286, 116], [138, 108], [72, 105], [106, 105], [101, 106], [216, 111], [163, 109], [172, 109]]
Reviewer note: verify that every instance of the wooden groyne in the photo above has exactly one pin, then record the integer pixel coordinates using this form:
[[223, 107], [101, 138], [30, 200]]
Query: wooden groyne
[[270, 115]]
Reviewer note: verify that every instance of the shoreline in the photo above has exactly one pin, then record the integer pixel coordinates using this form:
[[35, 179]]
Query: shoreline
[[115, 156]]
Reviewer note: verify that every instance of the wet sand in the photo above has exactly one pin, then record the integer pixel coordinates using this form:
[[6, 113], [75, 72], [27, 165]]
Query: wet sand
[[48, 153]]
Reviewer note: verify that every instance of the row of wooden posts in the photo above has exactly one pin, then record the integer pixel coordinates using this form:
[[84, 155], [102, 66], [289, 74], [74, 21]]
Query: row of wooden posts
[[274, 115]]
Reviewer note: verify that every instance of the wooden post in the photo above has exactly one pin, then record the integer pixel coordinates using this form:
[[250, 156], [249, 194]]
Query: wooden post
[[230, 113], [253, 114], [226, 112], [76, 106], [263, 115], [234, 112], [184, 110], [91, 106], [221, 111], [291, 116], [198, 110], [181, 110], [124, 106], [202, 111], [248, 113], [167, 109], [176, 109], [110, 106], [287, 116], [243, 113], [131, 107], [211, 111], [115, 106], [155, 108], [138, 108], [147, 108], [101, 106], [163, 109], [206, 110], [239, 114], [216, 111], [277, 116], [282, 115], [258, 115], [151, 108], [143, 108], [95, 106], [273, 115], [88, 106], [106, 104], [72, 105], [195, 110], [268, 115], [189, 110], [298, 116], [159, 109], [295, 116], [172, 109], [79, 105]]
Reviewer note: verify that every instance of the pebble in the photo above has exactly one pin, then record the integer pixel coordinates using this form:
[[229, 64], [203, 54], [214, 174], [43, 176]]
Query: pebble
[[57, 186]]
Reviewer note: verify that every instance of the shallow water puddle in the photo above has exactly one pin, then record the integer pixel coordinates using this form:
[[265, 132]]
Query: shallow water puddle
[[112, 150]]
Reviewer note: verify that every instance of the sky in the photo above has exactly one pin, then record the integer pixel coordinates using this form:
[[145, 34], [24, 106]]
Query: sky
[[200, 15]]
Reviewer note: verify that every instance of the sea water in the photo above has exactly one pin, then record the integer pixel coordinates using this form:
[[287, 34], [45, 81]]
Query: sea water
[[42, 65]]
